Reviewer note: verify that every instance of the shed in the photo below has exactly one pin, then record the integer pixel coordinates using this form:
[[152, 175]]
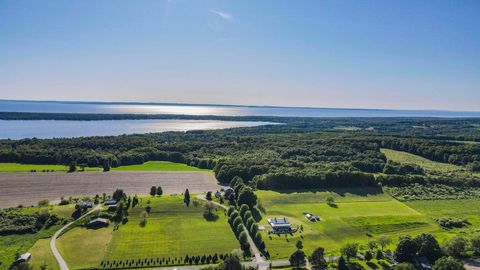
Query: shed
[[25, 257], [97, 222], [110, 202]]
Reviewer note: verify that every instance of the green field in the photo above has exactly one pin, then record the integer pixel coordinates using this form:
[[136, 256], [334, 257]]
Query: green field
[[172, 230], [426, 164], [147, 166], [358, 217], [158, 166]]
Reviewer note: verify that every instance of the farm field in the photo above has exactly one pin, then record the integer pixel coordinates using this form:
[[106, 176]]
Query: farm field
[[358, 217], [172, 230], [426, 164], [16, 167], [160, 166], [53, 185], [147, 166]]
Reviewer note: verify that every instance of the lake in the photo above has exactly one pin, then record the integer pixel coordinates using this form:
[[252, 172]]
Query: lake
[[227, 110], [19, 129]]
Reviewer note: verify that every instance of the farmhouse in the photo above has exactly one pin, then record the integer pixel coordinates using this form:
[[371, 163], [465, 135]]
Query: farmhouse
[[311, 217], [280, 225]]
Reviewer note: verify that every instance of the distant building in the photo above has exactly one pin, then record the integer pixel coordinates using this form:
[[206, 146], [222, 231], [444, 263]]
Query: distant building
[[218, 194], [280, 225], [97, 223], [422, 263], [311, 217], [110, 202], [87, 204], [24, 257]]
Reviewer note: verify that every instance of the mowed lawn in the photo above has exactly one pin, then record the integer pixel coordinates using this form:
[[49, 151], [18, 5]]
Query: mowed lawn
[[360, 216], [84, 248], [147, 166], [172, 230]]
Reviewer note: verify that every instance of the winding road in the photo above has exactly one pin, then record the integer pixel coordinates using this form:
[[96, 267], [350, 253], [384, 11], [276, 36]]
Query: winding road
[[53, 246]]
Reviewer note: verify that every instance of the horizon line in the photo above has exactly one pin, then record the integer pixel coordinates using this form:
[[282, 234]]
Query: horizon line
[[227, 105]]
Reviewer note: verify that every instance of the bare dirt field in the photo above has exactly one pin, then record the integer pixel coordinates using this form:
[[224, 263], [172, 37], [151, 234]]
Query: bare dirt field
[[29, 188]]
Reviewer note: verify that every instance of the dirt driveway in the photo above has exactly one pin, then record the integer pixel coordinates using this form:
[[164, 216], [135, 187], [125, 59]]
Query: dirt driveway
[[29, 188]]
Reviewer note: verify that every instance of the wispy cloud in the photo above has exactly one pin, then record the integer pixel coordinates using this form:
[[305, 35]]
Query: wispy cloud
[[224, 15]]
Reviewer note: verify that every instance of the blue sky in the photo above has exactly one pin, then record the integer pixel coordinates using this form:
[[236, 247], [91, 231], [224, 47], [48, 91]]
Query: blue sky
[[354, 54]]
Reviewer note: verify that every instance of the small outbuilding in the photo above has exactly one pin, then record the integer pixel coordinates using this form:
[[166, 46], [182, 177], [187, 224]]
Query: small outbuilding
[[97, 223], [110, 202], [312, 218], [25, 257], [87, 204]]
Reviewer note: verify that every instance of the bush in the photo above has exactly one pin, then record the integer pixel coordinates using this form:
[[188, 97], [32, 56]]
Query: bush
[[450, 222]]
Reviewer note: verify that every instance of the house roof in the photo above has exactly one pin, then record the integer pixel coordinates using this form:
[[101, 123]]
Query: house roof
[[279, 222], [110, 202], [25, 256], [98, 220]]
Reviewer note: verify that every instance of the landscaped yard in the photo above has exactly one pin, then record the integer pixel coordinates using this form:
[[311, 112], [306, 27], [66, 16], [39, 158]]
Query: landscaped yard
[[172, 230], [84, 248], [357, 217]]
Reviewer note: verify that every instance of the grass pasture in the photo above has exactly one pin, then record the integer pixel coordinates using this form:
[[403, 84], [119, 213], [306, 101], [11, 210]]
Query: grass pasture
[[147, 166], [427, 164], [160, 166], [358, 217], [172, 230]]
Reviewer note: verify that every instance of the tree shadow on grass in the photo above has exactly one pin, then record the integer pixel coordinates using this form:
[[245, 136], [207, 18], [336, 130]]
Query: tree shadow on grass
[[210, 216]]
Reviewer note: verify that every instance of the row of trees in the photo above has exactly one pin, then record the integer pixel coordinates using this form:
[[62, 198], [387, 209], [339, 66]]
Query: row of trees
[[148, 262]]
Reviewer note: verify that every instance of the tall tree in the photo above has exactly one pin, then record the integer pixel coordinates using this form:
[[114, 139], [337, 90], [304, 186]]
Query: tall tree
[[297, 258], [318, 259], [159, 191], [406, 250], [186, 197], [248, 197], [153, 190]]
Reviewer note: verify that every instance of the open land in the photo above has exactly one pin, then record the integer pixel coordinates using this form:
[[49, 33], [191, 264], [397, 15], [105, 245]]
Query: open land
[[147, 166], [360, 215], [29, 188]]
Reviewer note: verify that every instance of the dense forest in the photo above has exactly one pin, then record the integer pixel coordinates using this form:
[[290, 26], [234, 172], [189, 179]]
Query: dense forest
[[299, 153]]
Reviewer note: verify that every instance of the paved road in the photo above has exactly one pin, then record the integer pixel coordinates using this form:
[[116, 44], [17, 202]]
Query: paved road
[[61, 262], [258, 260]]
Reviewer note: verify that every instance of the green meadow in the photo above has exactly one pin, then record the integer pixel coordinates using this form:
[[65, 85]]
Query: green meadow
[[359, 216], [172, 230], [147, 166], [158, 166], [427, 164]]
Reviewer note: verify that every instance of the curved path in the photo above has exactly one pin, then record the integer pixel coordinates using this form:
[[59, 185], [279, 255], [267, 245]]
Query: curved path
[[259, 259], [61, 262]]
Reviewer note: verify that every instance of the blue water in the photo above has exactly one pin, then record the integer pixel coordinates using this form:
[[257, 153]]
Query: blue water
[[164, 108], [19, 129]]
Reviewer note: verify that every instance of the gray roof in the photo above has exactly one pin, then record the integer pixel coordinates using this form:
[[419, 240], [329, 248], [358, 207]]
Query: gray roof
[[98, 220]]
